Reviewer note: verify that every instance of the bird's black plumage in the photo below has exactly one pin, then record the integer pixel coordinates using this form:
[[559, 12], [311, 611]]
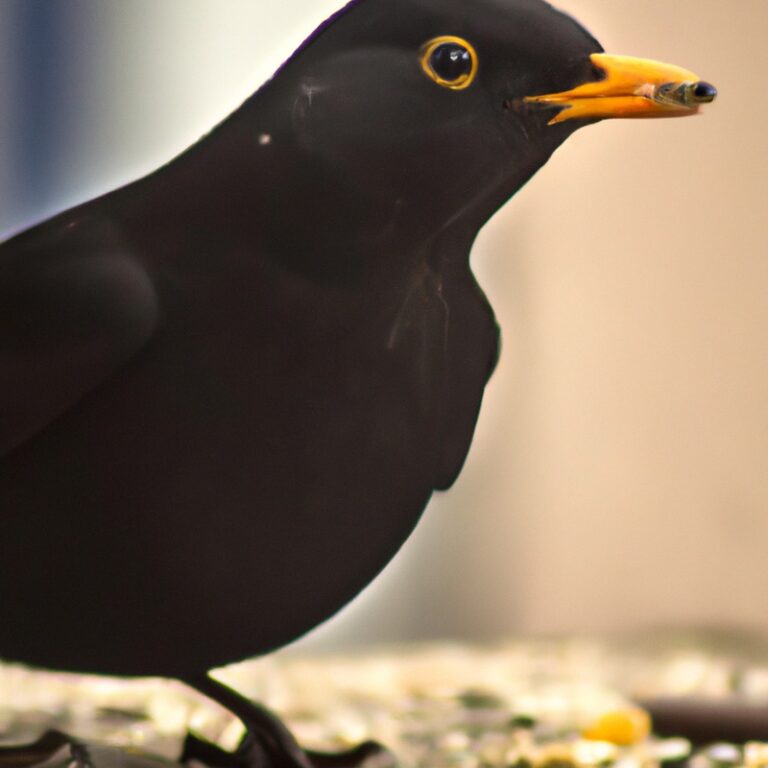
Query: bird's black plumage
[[228, 390]]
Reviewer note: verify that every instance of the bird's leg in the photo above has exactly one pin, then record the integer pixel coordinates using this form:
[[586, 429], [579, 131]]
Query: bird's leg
[[268, 743], [81, 757]]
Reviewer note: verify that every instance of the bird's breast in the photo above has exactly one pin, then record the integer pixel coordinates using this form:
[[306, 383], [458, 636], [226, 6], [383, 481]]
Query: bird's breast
[[277, 440]]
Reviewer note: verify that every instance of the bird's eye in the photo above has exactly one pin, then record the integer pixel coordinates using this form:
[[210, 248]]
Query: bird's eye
[[450, 62]]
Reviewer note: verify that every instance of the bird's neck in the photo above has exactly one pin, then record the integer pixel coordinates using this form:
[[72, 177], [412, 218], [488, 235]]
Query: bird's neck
[[256, 177], [267, 181]]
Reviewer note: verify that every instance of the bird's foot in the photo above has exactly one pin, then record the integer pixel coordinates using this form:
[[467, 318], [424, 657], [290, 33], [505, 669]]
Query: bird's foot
[[367, 754], [252, 753], [53, 747], [268, 743]]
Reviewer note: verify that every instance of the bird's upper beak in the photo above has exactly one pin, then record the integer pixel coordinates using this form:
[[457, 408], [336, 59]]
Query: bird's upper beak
[[631, 88]]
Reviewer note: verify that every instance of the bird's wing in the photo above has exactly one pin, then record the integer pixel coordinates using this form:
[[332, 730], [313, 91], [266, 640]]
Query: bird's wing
[[471, 354], [74, 306]]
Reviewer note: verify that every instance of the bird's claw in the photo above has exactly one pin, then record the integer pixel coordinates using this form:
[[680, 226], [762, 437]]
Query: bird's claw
[[367, 754], [252, 753]]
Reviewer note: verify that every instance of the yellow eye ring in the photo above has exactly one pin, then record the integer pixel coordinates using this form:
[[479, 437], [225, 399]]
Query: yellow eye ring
[[450, 53]]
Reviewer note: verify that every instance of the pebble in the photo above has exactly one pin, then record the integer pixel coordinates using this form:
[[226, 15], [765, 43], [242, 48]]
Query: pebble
[[724, 753], [671, 750], [756, 754]]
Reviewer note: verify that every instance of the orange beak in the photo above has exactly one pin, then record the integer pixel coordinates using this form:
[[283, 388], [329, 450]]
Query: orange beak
[[631, 88]]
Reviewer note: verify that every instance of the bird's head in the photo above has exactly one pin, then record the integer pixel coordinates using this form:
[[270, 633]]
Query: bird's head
[[446, 107]]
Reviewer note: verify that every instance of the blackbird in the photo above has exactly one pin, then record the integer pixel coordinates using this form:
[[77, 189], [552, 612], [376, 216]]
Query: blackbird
[[228, 389]]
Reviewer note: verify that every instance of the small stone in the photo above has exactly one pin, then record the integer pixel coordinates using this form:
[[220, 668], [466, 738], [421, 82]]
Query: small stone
[[671, 750], [756, 754], [699, 761], [724, 754], [587, 752], [455, 741], [629, 761]]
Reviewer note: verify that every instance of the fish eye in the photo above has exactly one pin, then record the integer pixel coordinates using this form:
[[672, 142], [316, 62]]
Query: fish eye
[[450, 62]]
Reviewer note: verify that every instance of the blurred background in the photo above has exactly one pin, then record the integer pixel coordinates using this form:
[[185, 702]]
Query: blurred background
[[618, 482]]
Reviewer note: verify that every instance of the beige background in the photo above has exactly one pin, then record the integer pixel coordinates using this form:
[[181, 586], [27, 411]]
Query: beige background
[[619, 478]]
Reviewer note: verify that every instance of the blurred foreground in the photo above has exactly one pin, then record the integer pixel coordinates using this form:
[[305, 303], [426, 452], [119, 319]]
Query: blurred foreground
[[437, 705]]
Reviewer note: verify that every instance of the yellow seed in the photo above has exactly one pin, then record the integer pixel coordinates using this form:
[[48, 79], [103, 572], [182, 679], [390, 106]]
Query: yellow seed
[[554, 756], [756, 754], [622, 727]]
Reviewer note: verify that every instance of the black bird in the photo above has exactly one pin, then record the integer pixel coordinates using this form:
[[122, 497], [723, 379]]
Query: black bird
[[228, 390]]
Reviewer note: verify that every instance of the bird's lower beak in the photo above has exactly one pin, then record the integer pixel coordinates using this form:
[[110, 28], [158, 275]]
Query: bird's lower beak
[[631, 88]]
